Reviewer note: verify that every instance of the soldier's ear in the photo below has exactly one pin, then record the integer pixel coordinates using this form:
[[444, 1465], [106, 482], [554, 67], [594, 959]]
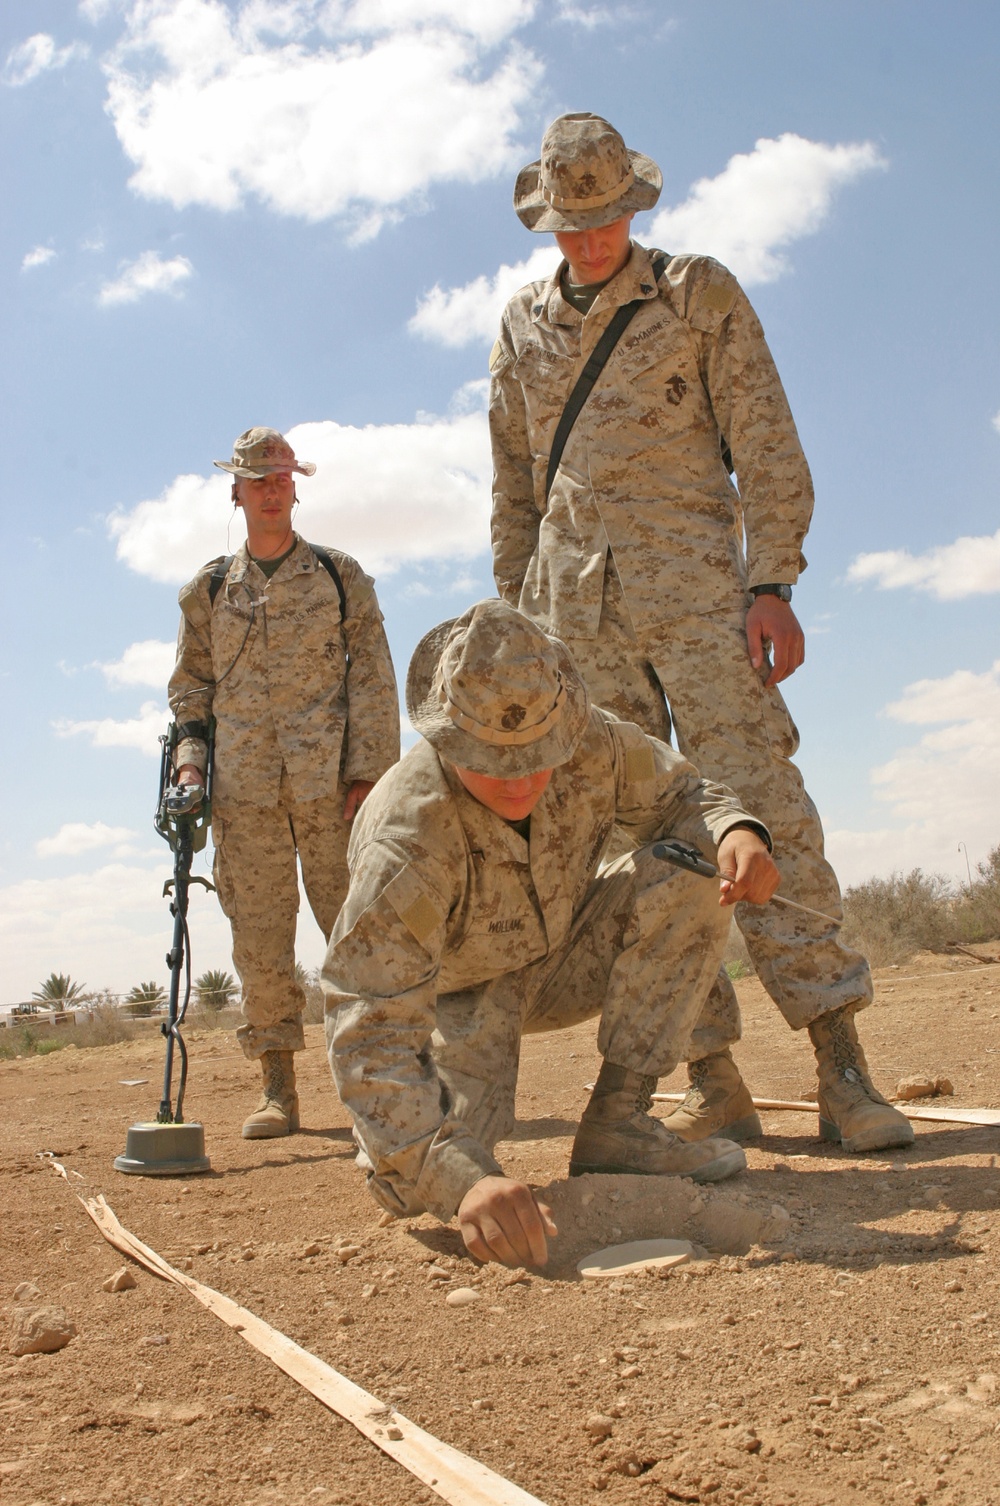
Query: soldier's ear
[[235, 495]]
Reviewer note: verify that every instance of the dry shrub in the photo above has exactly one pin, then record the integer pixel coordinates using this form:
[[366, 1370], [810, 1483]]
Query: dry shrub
[[977, 908], [315, 1010], [890, 919], [105, 1024]]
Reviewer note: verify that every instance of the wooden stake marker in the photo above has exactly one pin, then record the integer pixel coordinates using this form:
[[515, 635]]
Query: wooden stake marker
[[935, 1116], [454, 1476]]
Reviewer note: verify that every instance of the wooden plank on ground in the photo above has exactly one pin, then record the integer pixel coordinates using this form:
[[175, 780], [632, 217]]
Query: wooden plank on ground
[[456, 1477], [934, 1114]]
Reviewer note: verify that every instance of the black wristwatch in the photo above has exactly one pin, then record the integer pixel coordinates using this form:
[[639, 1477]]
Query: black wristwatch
[[783, 593]]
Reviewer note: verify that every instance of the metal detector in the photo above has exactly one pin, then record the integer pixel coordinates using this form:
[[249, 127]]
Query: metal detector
[[167, 1147]]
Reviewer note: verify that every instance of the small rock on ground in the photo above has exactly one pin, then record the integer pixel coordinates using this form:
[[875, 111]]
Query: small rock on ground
[[40, 1330]]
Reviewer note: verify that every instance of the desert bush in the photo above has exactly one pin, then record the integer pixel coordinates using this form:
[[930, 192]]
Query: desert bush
[[890, 919], [315, 1009], [736, 959], [105, 1024], [977, 908], [23, 1040]]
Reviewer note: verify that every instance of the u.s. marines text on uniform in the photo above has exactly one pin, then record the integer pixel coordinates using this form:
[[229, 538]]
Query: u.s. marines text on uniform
[[635, 557]]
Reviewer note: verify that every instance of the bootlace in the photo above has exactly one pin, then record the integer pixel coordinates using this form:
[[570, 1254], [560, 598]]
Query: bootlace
[[844, 1058], [697, 1075], [644, 1097]]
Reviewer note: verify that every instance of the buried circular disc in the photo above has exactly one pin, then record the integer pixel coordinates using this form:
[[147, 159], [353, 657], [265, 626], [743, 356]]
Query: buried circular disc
[[638, 1255]]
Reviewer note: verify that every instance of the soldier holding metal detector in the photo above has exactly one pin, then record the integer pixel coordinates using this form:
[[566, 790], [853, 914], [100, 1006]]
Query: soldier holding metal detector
[[282, 645]]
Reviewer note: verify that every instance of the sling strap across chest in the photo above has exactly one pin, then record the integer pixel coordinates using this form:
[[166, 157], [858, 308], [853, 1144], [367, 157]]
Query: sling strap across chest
[[587, 379], [221, 570]]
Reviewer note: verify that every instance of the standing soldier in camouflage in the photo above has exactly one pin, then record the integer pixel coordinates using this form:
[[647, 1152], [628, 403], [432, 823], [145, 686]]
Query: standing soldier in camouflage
[[283, 644], [478, 910], [632, 553]]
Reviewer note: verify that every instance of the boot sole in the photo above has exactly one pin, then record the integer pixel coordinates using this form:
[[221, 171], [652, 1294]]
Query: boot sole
[[876, 1139], [266, 1132], [747, 1128], [712, 1171]]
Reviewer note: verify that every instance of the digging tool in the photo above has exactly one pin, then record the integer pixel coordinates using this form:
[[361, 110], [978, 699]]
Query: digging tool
[[691, 860]]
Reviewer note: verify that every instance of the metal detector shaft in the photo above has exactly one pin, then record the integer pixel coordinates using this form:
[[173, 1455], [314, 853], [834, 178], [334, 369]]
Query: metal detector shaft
[[175, 962], [690, 859]]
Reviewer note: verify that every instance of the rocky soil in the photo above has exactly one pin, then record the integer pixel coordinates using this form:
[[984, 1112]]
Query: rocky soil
[[837, 1344]]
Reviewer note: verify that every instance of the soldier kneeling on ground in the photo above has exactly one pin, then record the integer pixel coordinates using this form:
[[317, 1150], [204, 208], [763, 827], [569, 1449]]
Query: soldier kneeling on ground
[[478, 911]]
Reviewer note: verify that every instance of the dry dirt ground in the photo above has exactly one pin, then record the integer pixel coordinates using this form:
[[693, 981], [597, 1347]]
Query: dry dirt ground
[[839, 1346]]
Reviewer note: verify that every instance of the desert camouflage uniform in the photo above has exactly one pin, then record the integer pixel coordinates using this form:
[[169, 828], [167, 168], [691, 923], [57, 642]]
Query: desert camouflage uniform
[[309, 706], [637, 562], [458, 935]]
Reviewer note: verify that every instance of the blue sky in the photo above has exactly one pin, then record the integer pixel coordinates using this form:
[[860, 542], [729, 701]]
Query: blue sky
[[297, 213]]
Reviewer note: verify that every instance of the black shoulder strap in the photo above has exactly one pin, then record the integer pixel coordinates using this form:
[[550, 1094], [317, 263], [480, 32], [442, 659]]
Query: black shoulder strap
[[588, 376], [334, 574], [221, 570], [217, 576]]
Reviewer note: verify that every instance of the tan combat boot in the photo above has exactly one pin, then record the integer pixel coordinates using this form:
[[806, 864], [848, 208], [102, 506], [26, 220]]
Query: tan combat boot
[[278, 1111], [618, 1135], [718, 1102], [850, 1110]]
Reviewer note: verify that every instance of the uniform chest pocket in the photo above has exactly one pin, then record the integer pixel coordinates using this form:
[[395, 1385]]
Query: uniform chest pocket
[[545, 377]]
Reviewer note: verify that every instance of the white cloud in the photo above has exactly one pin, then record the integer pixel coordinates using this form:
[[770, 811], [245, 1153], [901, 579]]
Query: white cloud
[[37, 258], [587, 16], [939, 790], [107, 928], [968, 567], [147, 274], [996, 422], [461, 316], [761, 202], [141, 732], [38, 54], [147, 663], [488, 20], [389, 494], [77, 837], [211, 112]]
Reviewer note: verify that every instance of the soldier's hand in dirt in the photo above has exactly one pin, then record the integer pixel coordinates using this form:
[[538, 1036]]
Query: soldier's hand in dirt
[[771, 620], [746, 868], [356, 796], [501, 1219]]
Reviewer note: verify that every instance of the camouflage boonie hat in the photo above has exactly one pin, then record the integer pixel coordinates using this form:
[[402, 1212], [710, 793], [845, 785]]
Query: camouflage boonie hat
[[586, 177], [492, 693], [259, 452]]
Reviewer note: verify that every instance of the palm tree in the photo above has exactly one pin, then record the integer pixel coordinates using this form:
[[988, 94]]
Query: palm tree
[[215, 988], [58, 991], [144, 998]]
